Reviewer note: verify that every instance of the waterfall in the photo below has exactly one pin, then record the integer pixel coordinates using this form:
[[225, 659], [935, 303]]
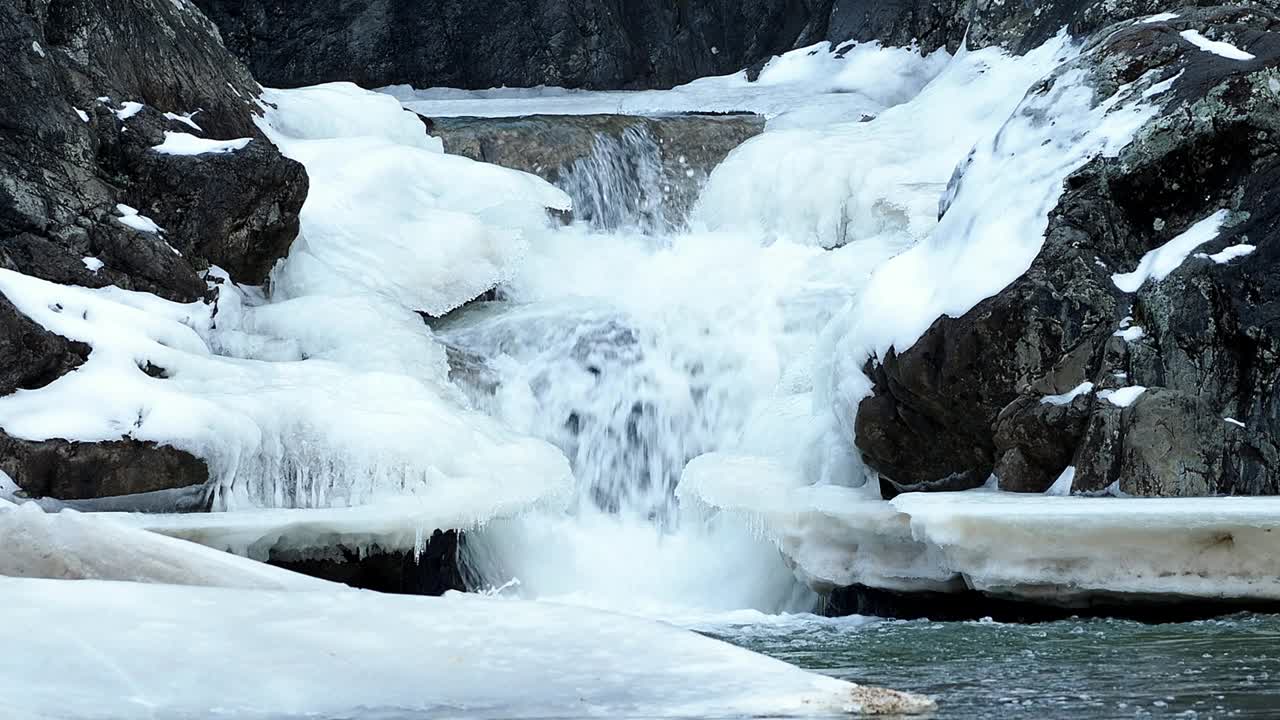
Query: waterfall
[[621, 183]]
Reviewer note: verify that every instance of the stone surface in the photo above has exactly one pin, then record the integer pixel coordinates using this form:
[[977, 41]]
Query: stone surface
[[619, 170], [434, 571], [77, 471], [965, 399]]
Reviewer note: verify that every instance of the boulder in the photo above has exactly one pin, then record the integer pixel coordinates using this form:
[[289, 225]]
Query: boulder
[[620, 170], [968, 398], [78, 471]]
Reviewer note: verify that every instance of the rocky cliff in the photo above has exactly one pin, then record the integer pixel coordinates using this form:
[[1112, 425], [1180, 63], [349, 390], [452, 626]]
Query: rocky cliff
[[1101, 361], [88, 90]]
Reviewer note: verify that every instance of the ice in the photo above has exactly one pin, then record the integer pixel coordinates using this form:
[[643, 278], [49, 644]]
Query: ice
[[804, 87], [185, 119], [130, 217], [1038, 547], [8, 488], [1157, 264], [1230, 253], [389, 214], [1123, 397], [1083, 388], [1062, 486], [1221, 49], [73, 546], [176, 143], [261, 654]]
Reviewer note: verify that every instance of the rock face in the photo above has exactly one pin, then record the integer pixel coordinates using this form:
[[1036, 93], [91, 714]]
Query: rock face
[[620, 170], [967, 399], [610, 44], [434, 571], [87, 90]]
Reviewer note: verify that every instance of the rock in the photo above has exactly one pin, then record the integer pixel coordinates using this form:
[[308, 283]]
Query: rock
[[31, 357], [965, 400], [657, 165], [87, 89], [434, 571], [76, 471]]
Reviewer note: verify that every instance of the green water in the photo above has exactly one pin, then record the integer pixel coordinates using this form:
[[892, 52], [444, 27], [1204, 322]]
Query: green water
[[1070, 669]]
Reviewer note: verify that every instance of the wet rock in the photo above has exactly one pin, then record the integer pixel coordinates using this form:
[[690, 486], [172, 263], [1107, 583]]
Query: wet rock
[[620, 170], [965, 400], [76, 471], [434, 571]]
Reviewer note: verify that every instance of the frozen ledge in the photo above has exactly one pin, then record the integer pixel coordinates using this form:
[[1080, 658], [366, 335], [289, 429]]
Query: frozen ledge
[[1064, 551]]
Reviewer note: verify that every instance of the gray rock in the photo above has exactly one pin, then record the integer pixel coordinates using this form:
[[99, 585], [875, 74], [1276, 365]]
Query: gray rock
[[964, 400], [619, 170], [30, 357], [77, 471]]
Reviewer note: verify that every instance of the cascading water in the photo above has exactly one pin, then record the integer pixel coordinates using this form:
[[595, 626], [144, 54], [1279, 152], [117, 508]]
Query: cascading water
[[621, 183]]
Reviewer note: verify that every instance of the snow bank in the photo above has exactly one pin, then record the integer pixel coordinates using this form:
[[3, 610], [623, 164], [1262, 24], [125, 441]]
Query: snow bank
[[811, 85], [69, 545], [1215, 47], [388, 213], [857, 180], [1063, 550], [352, 653]]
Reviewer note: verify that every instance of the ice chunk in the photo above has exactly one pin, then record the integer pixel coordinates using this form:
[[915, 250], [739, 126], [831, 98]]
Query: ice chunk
[[1221, 49], [1083, 388], [1123, 397], [1157, 264], [71, 545], [176, 143], [334, 654]]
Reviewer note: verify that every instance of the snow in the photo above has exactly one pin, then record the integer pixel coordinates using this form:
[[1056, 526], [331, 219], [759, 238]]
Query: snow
[[1062, 486], [185, 119], [176, 143], [129, 217], [81, 114], [1157, 264], [1221, 49], [127, 109], [1037, 547], [1161, 17], [1122, 397], [804, 87], [71, 545], [35, 48], [1083, 388], [389, 214], [1233, 421], [1230, 253], [263, 654], [93, 264], [1130, 334]]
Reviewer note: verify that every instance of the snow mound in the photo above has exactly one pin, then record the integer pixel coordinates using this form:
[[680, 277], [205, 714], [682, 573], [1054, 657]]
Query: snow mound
[[73, 546], [176, 143], [352, 653], [388, 213]]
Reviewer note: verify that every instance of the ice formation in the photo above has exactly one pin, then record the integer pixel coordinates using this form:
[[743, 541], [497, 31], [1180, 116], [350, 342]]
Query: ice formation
[[341, 653]]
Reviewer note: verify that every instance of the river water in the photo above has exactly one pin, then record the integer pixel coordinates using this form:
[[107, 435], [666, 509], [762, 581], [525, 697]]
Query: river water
[[1228, 667]]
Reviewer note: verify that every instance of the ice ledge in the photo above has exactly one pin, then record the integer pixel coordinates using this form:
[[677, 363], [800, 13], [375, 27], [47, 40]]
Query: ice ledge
[[1066, 551]]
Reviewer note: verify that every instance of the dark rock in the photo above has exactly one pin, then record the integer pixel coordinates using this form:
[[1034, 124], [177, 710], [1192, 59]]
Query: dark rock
[[965, 399], [30, 356], [68, 159], [76, 471], [619, 170], [434, 571]]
